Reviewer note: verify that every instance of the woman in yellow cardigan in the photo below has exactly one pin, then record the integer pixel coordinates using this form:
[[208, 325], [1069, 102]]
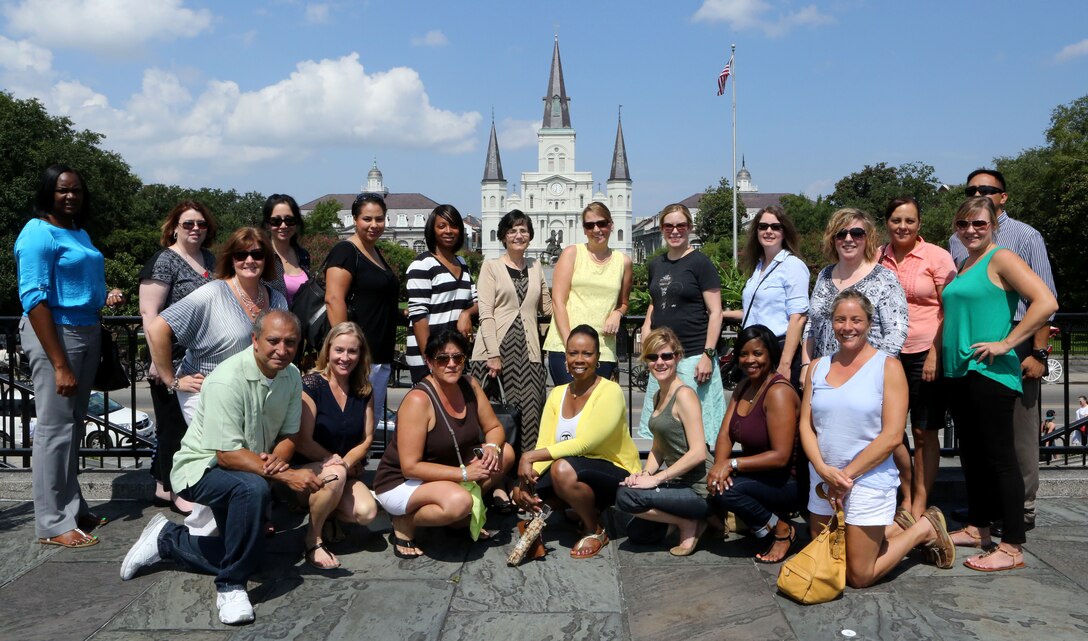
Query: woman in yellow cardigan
[[584, 450]]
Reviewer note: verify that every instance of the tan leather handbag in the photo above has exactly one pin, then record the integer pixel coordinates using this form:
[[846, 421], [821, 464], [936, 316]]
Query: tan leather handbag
[[817, 574]]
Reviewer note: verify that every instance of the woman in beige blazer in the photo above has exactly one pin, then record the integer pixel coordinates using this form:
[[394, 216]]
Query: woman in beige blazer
[[512, 291]]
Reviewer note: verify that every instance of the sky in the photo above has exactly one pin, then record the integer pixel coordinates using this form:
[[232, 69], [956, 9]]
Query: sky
[[302, 97]]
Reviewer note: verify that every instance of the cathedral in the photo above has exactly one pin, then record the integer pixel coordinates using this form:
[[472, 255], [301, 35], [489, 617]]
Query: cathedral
[[555, 194]]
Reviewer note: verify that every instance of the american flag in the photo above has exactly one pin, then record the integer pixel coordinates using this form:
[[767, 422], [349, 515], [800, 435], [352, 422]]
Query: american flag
[[724, 75]]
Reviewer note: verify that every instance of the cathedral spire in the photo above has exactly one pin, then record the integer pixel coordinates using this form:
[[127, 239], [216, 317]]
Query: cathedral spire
[[493, 164], [619, 155], [556, 102]]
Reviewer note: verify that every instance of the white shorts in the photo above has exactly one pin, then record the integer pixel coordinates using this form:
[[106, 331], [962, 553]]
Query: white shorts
[[395, 501], [863, 506]]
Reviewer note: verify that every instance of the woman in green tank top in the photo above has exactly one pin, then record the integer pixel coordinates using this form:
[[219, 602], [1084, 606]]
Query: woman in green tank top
[[983, 379]]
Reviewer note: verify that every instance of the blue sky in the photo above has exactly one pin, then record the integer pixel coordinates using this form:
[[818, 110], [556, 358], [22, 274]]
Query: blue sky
[[300, 97]]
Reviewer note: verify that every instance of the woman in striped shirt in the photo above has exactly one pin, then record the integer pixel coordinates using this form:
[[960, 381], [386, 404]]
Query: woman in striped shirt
[[441, 294]]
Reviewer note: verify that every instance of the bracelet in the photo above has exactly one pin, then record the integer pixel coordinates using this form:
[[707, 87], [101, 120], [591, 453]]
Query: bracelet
[[734, 465], [464, 473], [494, 445], [173, 389]]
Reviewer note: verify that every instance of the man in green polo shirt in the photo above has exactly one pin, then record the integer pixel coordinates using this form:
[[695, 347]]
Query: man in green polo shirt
[[249, 409]]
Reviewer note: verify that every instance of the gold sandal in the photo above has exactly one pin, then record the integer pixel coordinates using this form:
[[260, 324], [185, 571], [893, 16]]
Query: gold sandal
[[600, 537]]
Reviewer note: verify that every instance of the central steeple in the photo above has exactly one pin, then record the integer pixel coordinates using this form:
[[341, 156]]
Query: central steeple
[[556, 102]]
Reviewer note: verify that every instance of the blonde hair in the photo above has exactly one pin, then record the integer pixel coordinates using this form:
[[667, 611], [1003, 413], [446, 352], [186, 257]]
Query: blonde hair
[[673, 209], [659, 338], [598, 208], [838, 222], [971, 205], [359, 382]]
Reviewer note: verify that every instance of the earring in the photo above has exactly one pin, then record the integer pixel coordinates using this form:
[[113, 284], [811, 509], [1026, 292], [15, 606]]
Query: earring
[[175, 235]]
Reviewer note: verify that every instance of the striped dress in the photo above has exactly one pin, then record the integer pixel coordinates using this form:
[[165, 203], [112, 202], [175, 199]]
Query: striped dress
[[437, 295]]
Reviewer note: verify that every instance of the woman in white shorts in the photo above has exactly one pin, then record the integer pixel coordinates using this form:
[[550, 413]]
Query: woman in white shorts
[[852, 418]]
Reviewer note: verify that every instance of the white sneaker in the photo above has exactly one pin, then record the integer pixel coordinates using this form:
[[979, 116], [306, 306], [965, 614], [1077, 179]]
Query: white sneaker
[[234, 607], [146, 549]]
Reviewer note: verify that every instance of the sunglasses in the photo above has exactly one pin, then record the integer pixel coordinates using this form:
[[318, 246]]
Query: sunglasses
[[982, 190], [276, 221], [444, 359], [665, 356], [775, 227], [599, 224], [369, 197], [977, 224], [241, 255], [189, 225], [668, 228], [853, 232]]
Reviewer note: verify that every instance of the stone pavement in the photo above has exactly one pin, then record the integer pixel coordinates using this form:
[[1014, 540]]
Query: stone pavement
[[465, 591]]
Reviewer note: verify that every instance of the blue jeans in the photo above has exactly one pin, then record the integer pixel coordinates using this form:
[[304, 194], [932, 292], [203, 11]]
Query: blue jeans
[[678, 500], [238, 500], [755, 497], [557, 365]]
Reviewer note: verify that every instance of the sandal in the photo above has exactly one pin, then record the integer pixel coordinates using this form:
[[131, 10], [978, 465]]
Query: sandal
[[1016, 560], [943, 548], [904, 519], [975, 539], [89, 521], [586, 541], [680, 550], [311, 558], [83, 540], [501, 505], [791, 537], [398, 542]]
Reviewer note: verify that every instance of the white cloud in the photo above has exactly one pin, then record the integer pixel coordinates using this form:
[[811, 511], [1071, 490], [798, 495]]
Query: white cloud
[[324, 104], [1074, 50], [432, 38], [517, 134], [110, 27], [742, 15], [821, 187], [22, 55], [317, 13]]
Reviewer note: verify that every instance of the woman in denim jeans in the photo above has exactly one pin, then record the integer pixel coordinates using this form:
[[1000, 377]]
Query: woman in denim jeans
[[672, 487], [760, 486]]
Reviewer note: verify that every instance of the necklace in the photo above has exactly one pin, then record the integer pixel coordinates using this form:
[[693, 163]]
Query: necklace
[[575, 394], [252, 307]]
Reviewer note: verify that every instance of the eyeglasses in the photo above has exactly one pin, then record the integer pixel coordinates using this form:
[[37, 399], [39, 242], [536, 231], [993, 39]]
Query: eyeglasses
[[517, 231], [277, 221], [444, 359], [241, 255], [778, 227], [982, 190], [369, 197], [853, 232], [189, 225], [669, 228], [599, 224], [665, 356], [977, 224]]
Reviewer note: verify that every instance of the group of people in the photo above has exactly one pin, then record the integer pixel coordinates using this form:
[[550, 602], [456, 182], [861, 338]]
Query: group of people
[[827, 381]]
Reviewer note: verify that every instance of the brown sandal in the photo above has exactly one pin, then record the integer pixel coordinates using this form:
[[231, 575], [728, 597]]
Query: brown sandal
[[976, 540], [83, 540], [1016, 560]]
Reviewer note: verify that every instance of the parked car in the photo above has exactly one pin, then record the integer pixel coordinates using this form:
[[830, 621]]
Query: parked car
[[117, 431], [121, 416]]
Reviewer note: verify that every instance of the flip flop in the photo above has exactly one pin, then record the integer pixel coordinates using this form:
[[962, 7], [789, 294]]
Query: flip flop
[[601, 538], [398, 542], [86, 541], [791, 537], [312, 560], [1017, 561], [501, 505]]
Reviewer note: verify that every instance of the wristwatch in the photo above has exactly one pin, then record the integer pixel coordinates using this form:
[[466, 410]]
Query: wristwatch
[[733, 465], [711, 353], [1041, 355]]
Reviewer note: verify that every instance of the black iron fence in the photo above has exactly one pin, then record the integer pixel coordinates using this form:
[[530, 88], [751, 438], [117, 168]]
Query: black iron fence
[[116, 439]]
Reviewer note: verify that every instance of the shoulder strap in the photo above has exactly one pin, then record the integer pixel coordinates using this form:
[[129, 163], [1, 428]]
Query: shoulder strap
[[758, 285], [426, 387]]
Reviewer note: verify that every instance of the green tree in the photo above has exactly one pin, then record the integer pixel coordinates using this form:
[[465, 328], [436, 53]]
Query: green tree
[[230, 209], [872, 188], [714, 222], [324, 219], [810, 217], [399, 258]]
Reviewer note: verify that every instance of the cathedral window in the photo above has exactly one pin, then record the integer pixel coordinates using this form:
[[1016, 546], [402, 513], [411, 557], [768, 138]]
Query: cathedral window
[[502, 201], [562, 162], [530, 201], [551, 162], [492, 235], [402, 220], [492, 202], [620, 236], [582, 201]]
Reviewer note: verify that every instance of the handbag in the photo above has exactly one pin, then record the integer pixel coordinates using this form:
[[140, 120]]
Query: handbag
[[111, 374], [817, 574], [530, 544], [509, 415], [312, 312], [733, 373]]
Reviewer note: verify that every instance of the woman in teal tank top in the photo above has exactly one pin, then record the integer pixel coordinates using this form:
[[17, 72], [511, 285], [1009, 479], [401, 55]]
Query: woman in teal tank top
[[983, 379]]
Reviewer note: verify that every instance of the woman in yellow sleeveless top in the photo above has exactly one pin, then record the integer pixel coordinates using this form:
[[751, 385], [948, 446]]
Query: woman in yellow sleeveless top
[[591, 285]]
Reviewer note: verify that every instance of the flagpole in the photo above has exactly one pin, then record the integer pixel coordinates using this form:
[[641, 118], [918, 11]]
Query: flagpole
[[733, 72]]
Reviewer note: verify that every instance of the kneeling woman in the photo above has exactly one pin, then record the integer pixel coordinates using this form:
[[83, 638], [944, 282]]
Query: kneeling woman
[[672, 487], [584, 450], [448, 439], [852, 417], [335, 435], [760, 486]]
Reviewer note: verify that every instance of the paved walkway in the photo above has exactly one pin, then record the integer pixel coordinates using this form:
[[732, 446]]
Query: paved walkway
[[463, 591]]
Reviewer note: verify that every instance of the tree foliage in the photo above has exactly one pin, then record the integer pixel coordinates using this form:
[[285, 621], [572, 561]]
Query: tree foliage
[[324, 219], [714, 222]]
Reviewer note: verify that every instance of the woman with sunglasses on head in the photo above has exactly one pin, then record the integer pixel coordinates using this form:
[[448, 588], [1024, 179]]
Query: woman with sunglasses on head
[[763, 485], [215, 322], [62, 288], [982, 377], [449, 452], [291, 263], [685, 295], [361, 286], [923, 269], [172, 273], [591, 285], [441, 294], [672, 487], [584, 450], [776, 294]]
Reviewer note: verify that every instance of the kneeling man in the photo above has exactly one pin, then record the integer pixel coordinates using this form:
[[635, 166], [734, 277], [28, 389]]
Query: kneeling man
[[249, 406]]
